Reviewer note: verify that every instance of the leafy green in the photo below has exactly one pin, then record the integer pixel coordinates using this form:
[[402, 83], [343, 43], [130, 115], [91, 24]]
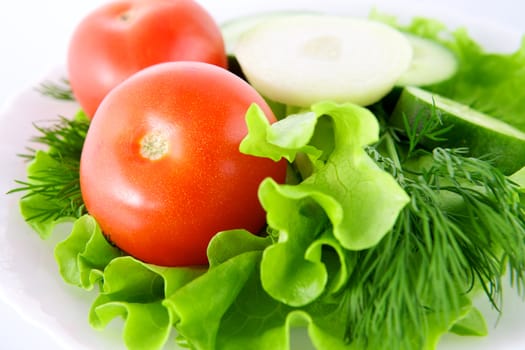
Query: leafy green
[[128, 288], [52, 189], [84, 254], [361, 200], [243, 315], [473, 323], [199, 321], [348, 191], [136, 291]]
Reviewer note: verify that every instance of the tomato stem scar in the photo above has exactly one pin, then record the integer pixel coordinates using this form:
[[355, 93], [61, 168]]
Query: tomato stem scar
[[154, 145]]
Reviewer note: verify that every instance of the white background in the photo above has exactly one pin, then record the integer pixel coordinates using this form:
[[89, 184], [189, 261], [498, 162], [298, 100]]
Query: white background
[[33, 38]]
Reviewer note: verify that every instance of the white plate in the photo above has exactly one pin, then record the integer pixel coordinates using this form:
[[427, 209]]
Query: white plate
[[29, 278]]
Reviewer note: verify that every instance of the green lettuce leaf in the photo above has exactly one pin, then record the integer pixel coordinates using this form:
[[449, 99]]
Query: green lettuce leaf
[[361, 200], [128, 288], [242, 315], [136, 292], [468, 321], [199, 319], [471, 323], [84, 254], [228, 244], [346, 191]]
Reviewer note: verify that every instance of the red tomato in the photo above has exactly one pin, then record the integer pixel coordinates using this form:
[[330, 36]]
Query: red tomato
[[123, 37], [161, 169]]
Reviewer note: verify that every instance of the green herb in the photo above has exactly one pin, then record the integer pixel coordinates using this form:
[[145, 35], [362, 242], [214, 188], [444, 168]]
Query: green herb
[[464, 224], [52, 189], [463, 227], [59, 91], [430, 128], [57, 183], [63, 137]]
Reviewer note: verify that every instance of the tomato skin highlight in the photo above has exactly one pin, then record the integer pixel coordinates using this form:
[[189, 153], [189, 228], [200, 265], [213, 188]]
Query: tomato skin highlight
[[121, 38], [164, 210]]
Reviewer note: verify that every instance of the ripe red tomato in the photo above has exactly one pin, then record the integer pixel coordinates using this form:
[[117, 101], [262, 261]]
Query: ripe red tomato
[[161, 169], [123, 37]]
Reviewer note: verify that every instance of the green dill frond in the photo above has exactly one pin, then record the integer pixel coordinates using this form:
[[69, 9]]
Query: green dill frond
[[463, 228], [59, 91], [59, 187], [493, 219], [64, 137], [423, 127], [53, 180]]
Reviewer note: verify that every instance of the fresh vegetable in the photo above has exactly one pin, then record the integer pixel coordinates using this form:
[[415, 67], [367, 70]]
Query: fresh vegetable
[[431, 63], [377, 240], [310, 58], [485, 81], [123, 37], [372, 196], [233, 29], [484, 136], [161, 170], [52, 189]]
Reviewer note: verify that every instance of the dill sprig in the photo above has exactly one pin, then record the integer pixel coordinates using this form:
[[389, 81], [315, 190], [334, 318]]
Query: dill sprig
[[55, 182], [59, 187], [463, 229], [59, 91], [423, 127], [63, 137]]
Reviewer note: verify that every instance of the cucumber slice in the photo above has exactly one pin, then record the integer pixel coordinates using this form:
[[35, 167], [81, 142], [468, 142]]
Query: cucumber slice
[[300, 60], [233, 29], [483, 135], [431, 63]]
